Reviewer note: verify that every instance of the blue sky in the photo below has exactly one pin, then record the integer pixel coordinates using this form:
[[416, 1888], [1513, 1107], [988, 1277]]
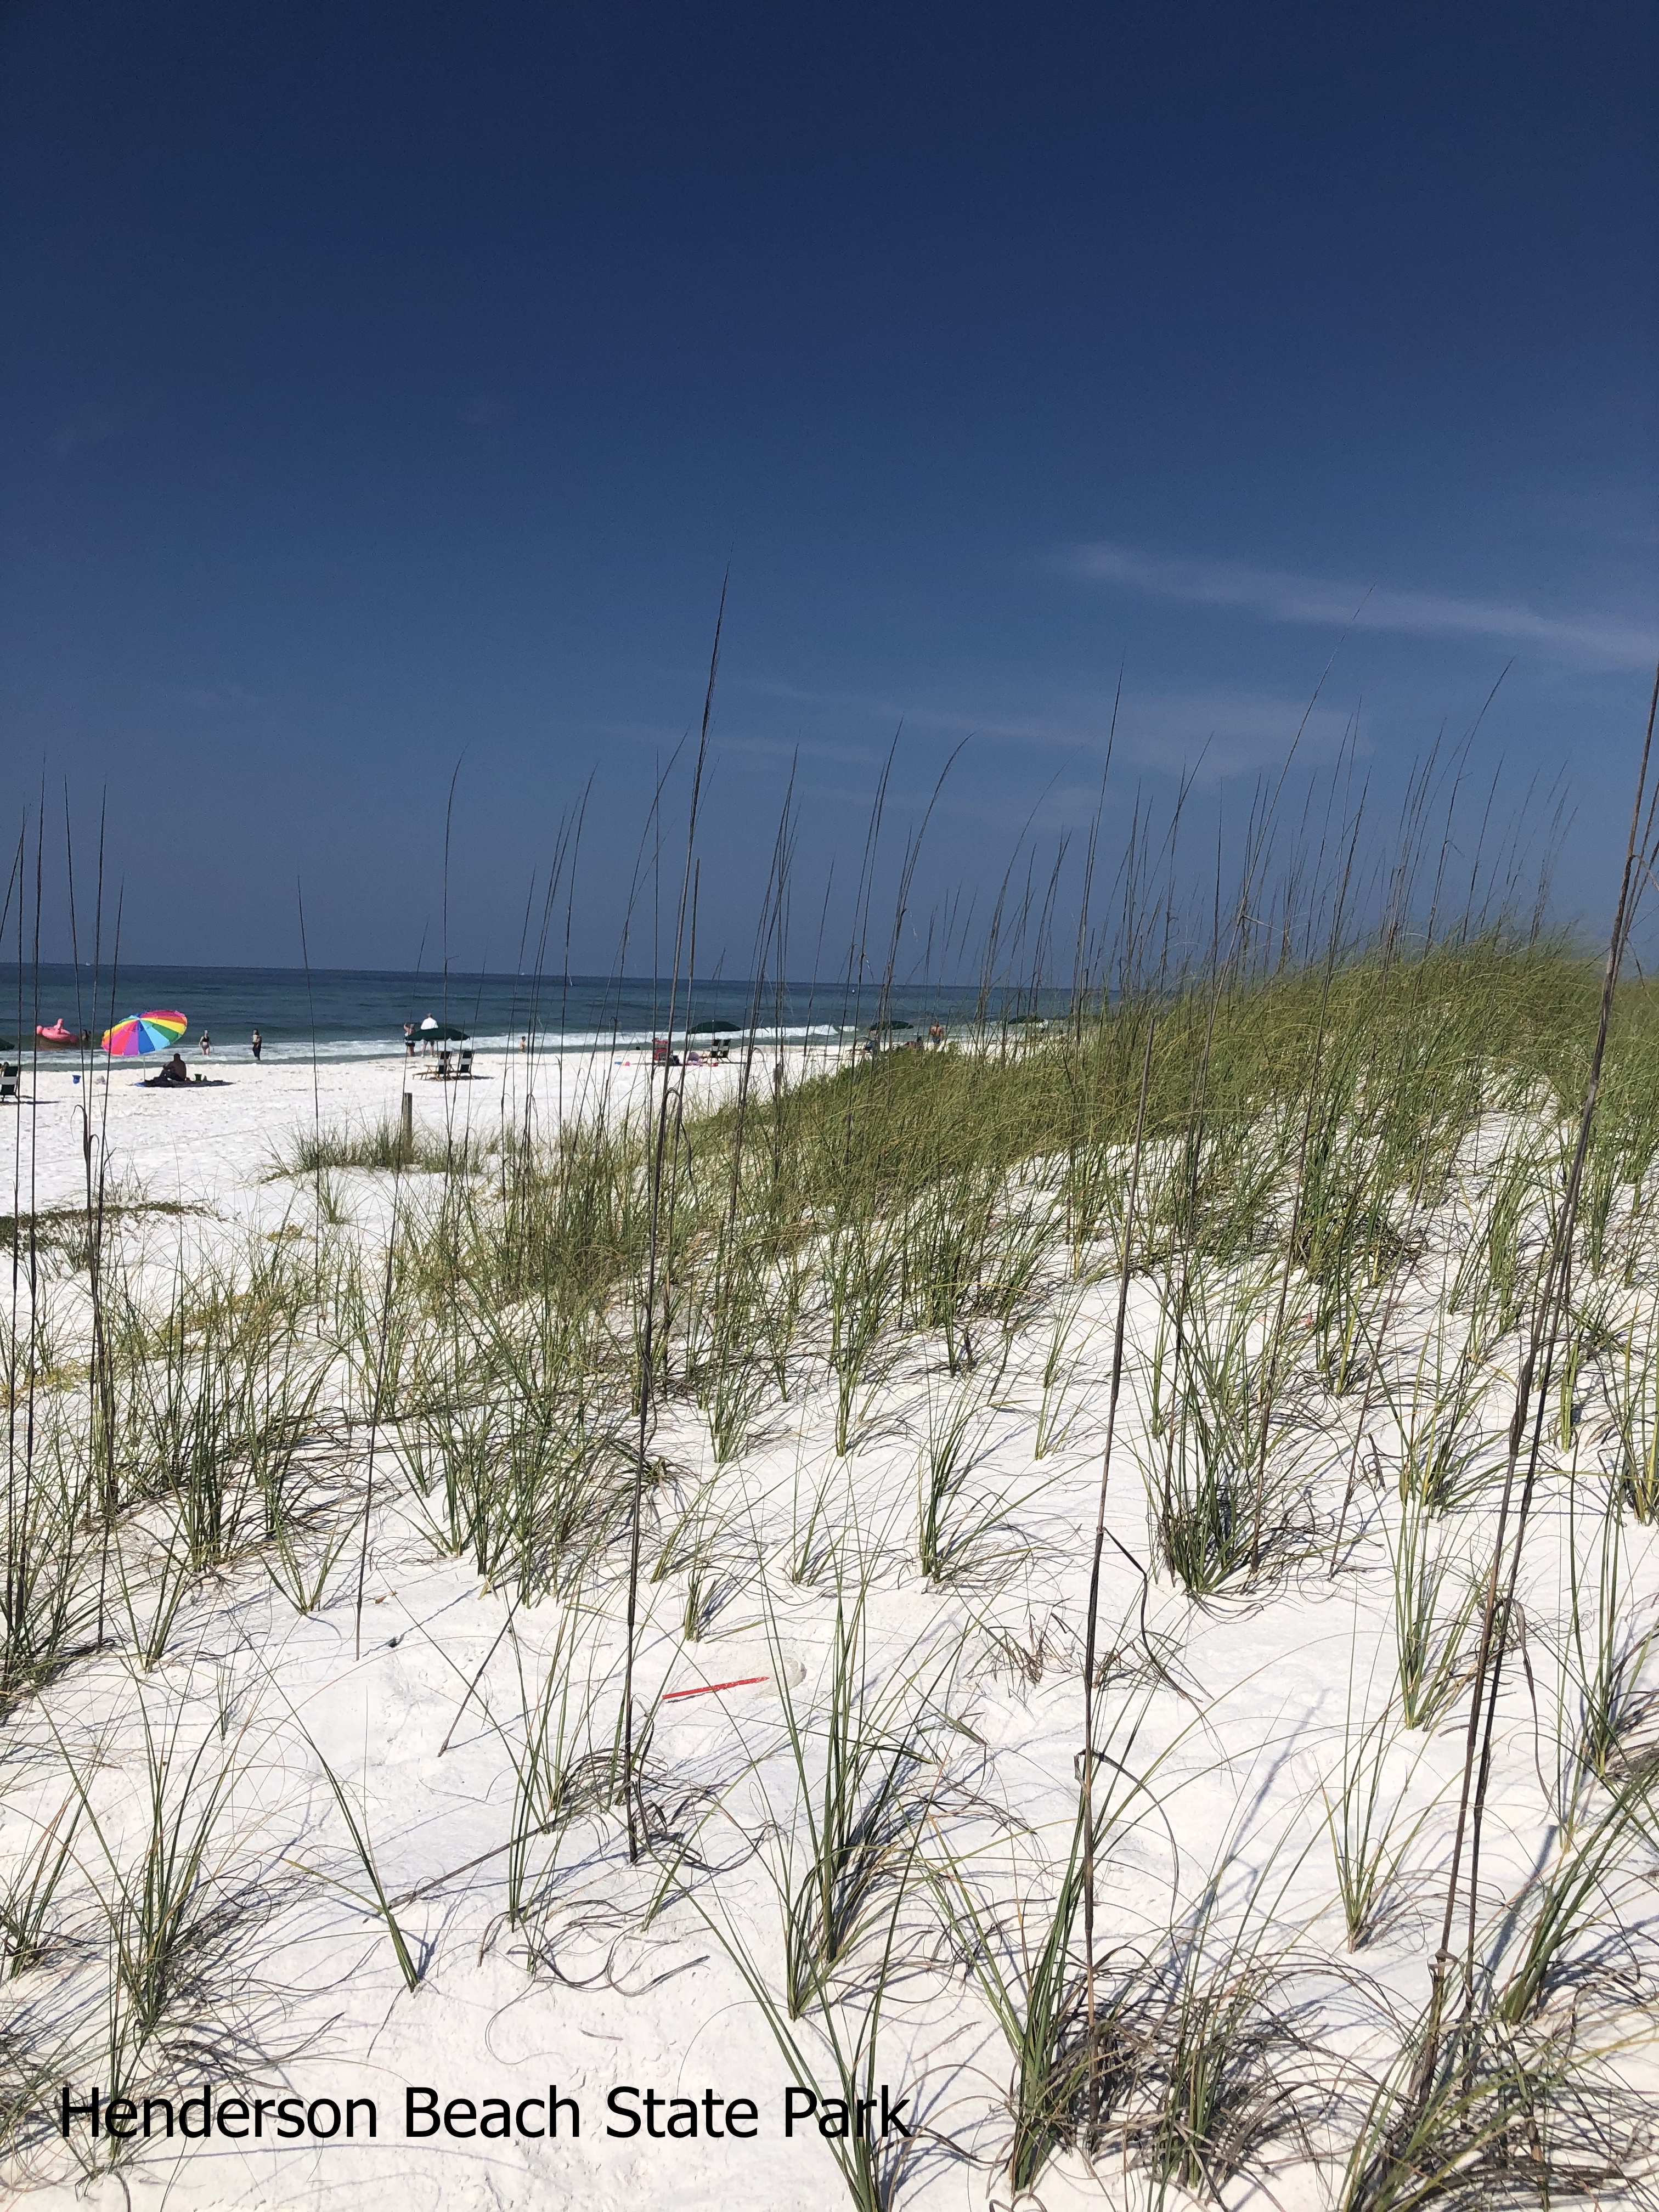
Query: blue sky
[[388, 386]]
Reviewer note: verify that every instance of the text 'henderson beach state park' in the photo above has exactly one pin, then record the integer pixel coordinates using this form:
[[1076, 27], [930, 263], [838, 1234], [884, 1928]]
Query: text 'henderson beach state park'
[[628, 2111]]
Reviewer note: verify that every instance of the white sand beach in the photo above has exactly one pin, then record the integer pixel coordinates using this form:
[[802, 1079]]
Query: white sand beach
[[540, 1964], [208, 1143]]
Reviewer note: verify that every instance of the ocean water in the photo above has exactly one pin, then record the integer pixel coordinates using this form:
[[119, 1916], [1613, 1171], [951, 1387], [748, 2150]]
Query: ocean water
[[353, 1014]]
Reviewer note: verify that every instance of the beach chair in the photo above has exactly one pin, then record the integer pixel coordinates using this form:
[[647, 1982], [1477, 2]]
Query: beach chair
[[464, 1064], [9, 1075]]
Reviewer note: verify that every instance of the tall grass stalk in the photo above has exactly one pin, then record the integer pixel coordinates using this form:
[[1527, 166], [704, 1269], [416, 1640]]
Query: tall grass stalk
[[1525, 1436], [560, 1770], [1368, 1841], [1219, 1506], [660, 1246], [1436, 1409], [865, 1798], [960, 1429], [162, 1906], [1602, 1655], [863, 1784], [1566, 1895], [1058, 1406], [356, 1821], [26, 1900], [1630, 1368], [1436, 1601]]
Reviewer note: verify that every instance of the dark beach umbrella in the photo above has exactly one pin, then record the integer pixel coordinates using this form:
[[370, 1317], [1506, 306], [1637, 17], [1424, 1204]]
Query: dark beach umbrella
[[713, 1029], [875, 1026], [431, 1031]]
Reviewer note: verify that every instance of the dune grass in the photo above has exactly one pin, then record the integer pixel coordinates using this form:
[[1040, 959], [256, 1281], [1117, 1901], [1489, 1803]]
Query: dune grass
[[1337, 1193]]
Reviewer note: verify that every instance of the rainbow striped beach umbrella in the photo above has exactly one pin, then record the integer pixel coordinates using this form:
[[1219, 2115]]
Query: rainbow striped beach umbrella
[[142, 1033]]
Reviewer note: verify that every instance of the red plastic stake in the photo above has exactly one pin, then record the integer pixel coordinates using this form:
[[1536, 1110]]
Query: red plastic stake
[[708, 1689]]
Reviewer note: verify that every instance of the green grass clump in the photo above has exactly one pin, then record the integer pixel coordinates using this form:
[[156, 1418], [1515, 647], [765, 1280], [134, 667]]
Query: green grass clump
[[378, 1145]]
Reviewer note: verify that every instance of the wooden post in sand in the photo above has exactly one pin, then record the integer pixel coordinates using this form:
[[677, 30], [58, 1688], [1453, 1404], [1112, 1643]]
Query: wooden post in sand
[[408, 1125]]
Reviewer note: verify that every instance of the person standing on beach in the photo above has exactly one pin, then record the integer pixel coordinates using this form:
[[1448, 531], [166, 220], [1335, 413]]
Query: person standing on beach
[[205, 1044], [259, 1044]]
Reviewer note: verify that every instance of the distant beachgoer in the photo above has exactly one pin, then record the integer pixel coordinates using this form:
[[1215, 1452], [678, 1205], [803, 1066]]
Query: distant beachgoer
[[409, 1039], [936, 1036], [259, 1044], [524, 1044], [204, 1043], [175, 1071]]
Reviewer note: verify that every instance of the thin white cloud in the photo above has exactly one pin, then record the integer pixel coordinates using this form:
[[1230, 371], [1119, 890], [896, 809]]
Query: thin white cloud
[[1210, 733], [215, 698], [1213, 732], [888, 713], [1280, 595], [775, 750]]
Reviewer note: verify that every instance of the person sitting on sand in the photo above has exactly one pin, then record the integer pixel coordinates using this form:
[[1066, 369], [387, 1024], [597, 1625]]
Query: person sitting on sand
[[175, 1071]]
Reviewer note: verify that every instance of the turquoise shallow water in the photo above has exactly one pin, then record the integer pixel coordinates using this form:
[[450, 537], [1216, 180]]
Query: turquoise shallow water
[[351, 1014]]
